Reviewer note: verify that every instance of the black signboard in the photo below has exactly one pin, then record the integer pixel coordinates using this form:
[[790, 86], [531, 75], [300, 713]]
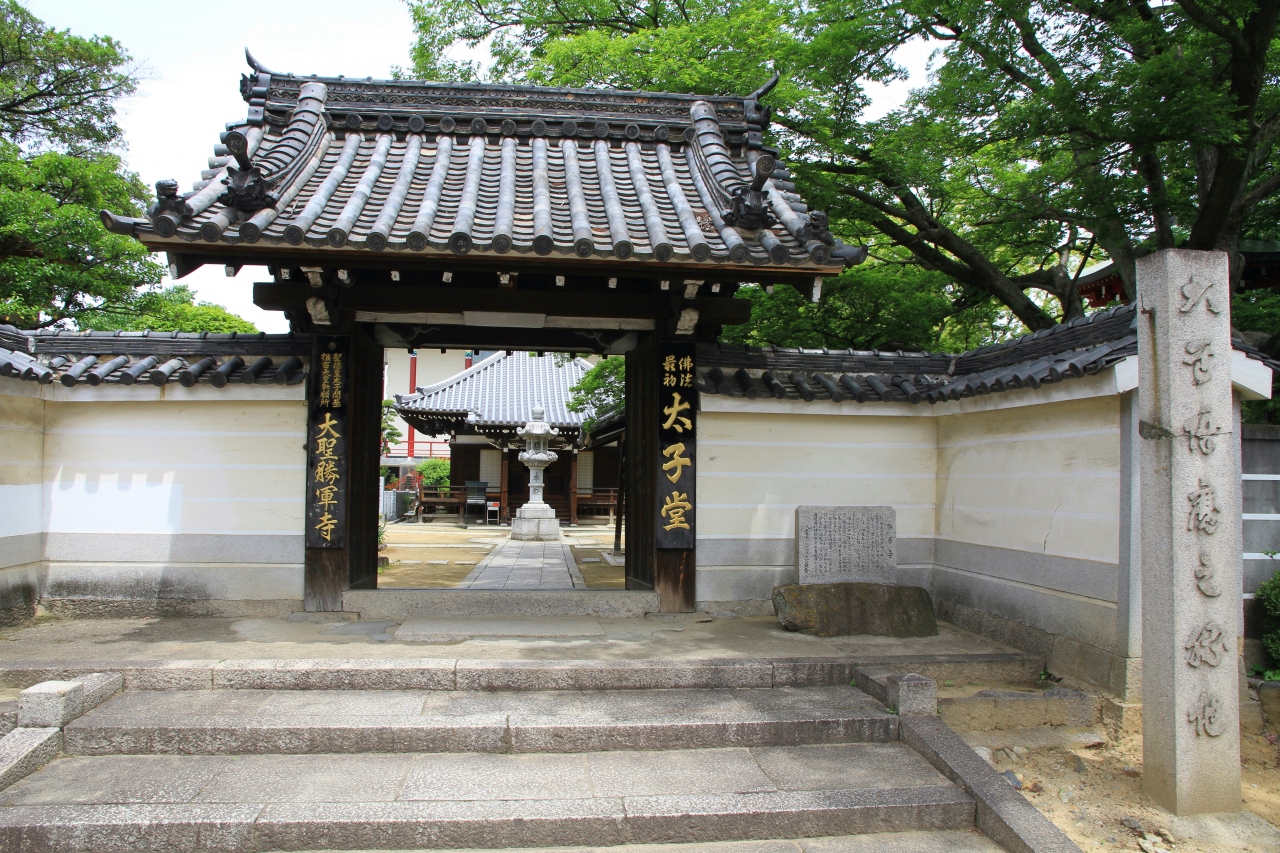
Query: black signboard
[[329, 400], [677, 430]]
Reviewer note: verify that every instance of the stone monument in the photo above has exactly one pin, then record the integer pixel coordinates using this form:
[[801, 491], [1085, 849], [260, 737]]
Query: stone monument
[[846, 558], [846, 544], [1189, 448], [536, 521]]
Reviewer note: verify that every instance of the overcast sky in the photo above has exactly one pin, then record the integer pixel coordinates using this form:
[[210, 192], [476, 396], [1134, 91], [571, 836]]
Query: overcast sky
[[192, 54]]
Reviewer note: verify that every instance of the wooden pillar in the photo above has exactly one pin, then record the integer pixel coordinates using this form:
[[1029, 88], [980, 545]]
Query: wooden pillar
[[620, 509], [344, 403], [675, 475], [573, 487], [365, 448], [504, 483], [641, 434]]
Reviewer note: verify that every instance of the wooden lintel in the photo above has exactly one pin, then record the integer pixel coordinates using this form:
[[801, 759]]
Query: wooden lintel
[[266, 254]]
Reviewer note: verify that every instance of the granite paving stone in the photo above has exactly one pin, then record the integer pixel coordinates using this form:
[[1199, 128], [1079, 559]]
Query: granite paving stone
[[832, 766], [450, 629], [696, 771], [129, 828], [497, 777], [952, 841], [299, 779], [117, 779], [412, 825]]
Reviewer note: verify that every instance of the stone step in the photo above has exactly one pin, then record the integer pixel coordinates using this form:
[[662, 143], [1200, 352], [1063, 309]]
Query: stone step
[[255, 803], [950, 840], [227, 722], [404, 603], [444, 673]]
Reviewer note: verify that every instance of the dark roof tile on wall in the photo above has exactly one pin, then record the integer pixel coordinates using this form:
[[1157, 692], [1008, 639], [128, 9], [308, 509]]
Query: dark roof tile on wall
[[1083, 346], [155, 358]]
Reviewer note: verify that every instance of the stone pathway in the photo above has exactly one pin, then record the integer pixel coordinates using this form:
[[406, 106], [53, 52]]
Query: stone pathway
[[526, 565]]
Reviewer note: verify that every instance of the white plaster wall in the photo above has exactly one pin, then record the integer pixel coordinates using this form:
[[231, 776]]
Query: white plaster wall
[[754, 469], [1029, 517], [124, 493], [21, 504], [1036, 478]]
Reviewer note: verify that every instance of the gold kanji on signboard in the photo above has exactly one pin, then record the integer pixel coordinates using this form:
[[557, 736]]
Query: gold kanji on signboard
[[674, 417], [335, 382], [326, 370], [676, 466], [326, 525], [326, 496], [674, 506]]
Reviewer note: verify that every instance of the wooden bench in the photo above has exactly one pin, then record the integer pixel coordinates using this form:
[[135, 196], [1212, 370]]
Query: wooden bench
[[431, 498], [599, 499]]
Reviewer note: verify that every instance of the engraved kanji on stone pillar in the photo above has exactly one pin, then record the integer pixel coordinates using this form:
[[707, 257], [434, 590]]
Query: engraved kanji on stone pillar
[[1190, 618]]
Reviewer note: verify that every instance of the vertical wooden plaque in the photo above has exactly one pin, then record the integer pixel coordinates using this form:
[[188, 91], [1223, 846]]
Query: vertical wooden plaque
[[327, 424], [676, 520]]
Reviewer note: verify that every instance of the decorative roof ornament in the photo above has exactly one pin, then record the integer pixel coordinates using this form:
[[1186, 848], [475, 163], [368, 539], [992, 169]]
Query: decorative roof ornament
[[248, 189], [750, 208], [169, 208]]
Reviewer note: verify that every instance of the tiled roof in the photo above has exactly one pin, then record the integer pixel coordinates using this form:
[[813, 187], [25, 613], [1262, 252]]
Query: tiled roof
[[499, 393], [155, 358], [1083, 346], [435, 168]]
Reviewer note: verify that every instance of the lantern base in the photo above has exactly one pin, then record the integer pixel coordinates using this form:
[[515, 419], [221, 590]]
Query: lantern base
[[535, 522]]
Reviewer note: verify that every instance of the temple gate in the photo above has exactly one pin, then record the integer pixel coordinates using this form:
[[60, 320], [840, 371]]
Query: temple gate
[[414, 215]]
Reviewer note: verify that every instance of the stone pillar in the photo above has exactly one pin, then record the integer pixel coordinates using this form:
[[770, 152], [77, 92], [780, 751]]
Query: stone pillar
[[1190, 583]]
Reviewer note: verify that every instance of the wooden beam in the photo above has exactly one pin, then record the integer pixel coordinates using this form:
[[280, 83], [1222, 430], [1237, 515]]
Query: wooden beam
[[191, 255]]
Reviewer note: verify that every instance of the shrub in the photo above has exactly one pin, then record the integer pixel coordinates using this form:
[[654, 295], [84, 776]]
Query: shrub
[[434, 472], [1268, 596]]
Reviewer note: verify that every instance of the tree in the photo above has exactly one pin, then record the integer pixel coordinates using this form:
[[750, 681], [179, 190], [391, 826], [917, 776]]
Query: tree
[[173, 309], [56, 88], [391, 433], [57, 121], [601, 390], [1051, 133], [57, 262]]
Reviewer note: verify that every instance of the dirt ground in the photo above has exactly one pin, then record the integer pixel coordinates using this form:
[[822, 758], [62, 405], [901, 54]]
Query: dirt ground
[[1088, 792], [440, 554]]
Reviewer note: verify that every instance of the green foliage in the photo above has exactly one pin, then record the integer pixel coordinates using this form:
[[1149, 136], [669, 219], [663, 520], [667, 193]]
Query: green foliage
[[1268, 597], [601, 390], [55, 88], [57, 262], [873, 306], [1048, 135], [173, 309], [390, 432], [57, 121], [1259, 311], [434, 472]]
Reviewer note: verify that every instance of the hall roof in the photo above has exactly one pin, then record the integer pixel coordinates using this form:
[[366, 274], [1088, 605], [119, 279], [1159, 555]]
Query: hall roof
[[340, 167], [154, 358], [496, 395], [1069, 350]]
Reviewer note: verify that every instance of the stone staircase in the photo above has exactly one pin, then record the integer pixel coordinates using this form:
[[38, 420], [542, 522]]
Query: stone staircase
[[380, 755]]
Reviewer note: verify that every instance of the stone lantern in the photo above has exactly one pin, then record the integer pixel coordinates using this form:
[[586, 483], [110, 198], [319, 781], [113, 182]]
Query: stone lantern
[[536, 521]]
